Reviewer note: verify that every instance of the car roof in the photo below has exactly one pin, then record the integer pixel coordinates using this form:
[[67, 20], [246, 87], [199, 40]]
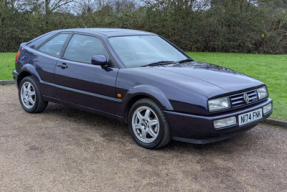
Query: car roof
[[108, 32]]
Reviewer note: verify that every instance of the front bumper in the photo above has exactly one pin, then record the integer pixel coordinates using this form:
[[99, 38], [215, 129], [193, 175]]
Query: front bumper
[[200, 129]]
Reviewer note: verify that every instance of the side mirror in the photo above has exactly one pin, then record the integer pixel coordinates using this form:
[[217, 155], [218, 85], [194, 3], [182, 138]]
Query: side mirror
[[100, 60]]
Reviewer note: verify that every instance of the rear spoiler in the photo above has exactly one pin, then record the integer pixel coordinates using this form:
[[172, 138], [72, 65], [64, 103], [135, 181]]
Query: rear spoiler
[[23, 44]]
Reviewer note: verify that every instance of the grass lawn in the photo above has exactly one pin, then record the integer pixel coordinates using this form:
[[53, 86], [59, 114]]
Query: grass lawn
[[7, 65], [271, 69]]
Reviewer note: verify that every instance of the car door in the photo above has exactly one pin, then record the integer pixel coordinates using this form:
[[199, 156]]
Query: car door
[[46, 59], [81, 83]]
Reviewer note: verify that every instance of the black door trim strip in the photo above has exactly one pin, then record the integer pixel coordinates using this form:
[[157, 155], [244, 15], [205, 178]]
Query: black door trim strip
[[83, 92]]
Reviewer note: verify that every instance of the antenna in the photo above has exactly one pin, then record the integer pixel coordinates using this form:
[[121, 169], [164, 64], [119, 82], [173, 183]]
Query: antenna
[[84, 24]]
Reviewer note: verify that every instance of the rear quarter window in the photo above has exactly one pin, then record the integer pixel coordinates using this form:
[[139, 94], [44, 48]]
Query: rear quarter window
[[55, 45], [36, 42]]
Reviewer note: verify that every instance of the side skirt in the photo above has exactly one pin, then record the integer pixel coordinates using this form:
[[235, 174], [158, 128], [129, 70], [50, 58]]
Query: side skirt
[[91, 110]]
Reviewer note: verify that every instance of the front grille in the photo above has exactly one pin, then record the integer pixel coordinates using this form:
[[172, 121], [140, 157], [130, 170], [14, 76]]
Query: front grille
[[238, 99]]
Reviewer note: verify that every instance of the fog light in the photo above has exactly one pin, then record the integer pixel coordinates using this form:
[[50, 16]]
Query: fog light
[[267, 108], [224, 122]]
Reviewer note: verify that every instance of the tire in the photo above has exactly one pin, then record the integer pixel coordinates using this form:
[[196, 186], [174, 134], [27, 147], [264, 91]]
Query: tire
[[30, 96], [148, 129]]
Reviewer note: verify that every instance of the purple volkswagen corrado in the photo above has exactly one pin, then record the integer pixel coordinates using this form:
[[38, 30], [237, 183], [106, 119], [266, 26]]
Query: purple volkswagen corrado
[[141, 79]]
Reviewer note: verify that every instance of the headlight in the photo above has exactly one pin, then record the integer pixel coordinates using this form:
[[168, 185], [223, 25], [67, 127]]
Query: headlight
[[218, 104], [262, 92]]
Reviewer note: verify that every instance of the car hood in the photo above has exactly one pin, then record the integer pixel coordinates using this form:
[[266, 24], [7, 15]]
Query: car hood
[[208, 79]]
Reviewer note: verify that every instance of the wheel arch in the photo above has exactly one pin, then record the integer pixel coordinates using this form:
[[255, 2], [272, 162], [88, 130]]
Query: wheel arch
[[27, 70], [145, 92]]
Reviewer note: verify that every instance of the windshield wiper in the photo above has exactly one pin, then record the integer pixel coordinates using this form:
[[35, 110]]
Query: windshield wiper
[[185, 60], [158, 63], [167, 62]]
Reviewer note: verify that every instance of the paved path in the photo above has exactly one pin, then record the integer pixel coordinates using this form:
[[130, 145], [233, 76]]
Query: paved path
[[65, 149]]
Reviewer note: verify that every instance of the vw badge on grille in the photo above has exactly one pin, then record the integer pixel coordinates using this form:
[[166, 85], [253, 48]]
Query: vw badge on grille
[[246, 98]]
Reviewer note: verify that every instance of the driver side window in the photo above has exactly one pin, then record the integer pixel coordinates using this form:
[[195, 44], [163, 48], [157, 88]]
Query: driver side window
[[82, 48]]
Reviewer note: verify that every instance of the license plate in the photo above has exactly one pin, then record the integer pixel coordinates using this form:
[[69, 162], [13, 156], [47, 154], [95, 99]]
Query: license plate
[[250, 117]]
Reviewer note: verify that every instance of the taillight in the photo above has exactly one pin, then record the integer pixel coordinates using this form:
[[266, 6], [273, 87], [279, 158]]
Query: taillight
[[17, 56]]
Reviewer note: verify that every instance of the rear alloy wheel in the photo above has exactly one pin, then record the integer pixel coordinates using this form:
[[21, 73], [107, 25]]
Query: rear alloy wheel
[[148, 125], [30, 96]]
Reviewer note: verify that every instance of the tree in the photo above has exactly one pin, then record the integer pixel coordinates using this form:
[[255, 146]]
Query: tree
[[121, 6], [9, 3], [45, 6]]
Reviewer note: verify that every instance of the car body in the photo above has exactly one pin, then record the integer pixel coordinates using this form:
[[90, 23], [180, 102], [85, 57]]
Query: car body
[[182, 90]]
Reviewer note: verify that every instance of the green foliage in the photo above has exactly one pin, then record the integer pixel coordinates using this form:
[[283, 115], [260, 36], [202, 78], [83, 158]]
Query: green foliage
[[224, 26]]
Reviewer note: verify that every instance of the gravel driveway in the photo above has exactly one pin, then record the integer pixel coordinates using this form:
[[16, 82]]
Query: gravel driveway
[[64, 149]]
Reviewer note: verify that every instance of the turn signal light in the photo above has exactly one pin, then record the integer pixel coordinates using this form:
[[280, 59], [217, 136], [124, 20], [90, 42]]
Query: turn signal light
[[17, 56], [267, 108]]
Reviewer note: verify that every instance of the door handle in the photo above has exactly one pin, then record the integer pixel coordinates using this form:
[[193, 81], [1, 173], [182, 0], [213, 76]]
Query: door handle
[[63, 65]]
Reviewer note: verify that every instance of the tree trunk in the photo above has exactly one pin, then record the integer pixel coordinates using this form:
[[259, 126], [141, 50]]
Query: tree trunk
[[47, 8]]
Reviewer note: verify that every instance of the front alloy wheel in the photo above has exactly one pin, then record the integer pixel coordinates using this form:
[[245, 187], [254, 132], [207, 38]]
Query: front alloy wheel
[[147, 124]]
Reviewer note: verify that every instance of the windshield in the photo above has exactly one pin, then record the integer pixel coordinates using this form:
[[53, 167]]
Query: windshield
[[137, 51]]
